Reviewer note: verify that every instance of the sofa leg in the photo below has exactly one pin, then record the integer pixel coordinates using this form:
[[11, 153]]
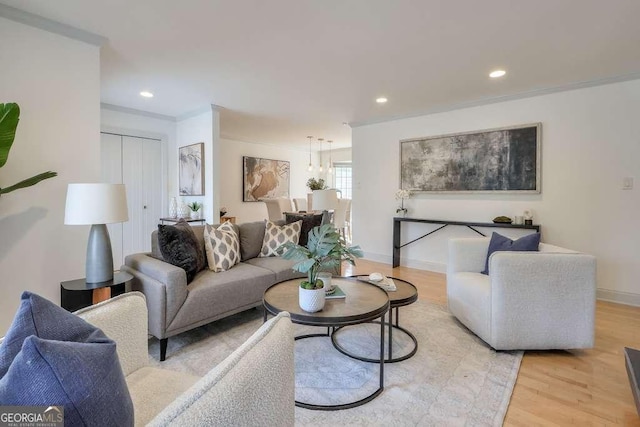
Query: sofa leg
[[163, 349]]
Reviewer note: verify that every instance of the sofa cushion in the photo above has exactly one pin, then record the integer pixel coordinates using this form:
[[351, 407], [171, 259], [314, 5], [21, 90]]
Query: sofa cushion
[[222, 246], [308, 222], [282, 268], [498, 242], [180, 247], [211, 295], [251, 236], [52, 344], [277, 235]]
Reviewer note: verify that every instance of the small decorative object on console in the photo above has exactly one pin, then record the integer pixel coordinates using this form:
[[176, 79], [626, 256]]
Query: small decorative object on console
[[528, 217], [173, 208], [195, 209], [401, 195], [502, 220]]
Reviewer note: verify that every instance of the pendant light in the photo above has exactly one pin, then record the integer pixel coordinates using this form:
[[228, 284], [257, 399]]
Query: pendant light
[[310, 168], [330, 164], [320, 141]]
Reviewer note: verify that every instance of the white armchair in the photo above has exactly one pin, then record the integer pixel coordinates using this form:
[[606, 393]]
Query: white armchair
[[529, 301], [252, 386]]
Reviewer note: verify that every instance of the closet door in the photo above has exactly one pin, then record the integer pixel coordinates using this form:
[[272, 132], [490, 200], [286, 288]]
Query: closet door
[[111, 155], [136, 163], [152, 189], [132, 177]]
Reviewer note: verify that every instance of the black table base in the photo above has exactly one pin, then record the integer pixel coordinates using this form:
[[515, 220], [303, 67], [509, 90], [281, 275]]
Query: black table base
[[390, 358], [369, 398]]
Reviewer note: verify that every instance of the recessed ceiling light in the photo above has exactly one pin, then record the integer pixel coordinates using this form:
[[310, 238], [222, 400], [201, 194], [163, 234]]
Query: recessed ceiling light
[[497, 73], [146, 94], [381, 100]]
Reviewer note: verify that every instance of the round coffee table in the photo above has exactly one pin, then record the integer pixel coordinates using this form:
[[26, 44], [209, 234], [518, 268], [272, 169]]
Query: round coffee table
[[405, 294], [363, 303]]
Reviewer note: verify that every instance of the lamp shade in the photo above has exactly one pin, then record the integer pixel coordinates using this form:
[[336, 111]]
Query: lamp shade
[[325, 200], [95, 204]]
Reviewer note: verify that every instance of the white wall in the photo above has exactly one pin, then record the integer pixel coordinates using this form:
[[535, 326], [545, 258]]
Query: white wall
[[205, 128], [232, 152], [590, 141], [56, 82]]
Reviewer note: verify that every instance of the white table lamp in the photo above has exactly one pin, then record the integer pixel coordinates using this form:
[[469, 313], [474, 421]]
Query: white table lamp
[[97, 205]]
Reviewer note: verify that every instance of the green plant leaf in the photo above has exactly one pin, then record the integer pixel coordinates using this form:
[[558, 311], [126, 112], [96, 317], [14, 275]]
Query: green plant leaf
[[28, 182], [9, 117]]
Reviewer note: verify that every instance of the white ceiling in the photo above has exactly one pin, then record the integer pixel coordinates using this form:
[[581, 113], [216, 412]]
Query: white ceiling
[[285, 69]]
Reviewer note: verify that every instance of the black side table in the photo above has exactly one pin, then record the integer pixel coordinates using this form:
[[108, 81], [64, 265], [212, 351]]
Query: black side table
[[77, 294]]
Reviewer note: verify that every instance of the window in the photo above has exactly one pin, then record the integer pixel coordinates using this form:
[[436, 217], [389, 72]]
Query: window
[[343, 179]]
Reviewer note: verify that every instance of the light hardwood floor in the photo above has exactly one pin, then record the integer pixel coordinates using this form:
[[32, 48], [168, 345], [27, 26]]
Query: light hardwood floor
[[586, 388]]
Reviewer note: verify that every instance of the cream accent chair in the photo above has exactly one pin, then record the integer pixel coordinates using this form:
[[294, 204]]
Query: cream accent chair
[[254, 385], [529, 301], [300, 204], [277, 207]]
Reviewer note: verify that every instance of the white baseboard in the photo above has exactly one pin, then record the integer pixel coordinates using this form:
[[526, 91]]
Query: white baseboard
[[438, 267], [626, 298]]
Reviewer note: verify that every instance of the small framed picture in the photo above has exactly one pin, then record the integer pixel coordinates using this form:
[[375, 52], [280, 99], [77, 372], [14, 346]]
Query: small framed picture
[[191, 170]]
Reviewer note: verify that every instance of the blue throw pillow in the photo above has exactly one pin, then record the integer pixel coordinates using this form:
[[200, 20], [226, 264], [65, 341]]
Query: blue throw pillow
[[498, 242], [52, 357]]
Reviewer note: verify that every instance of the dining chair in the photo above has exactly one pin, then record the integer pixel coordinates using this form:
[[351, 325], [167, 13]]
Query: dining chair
[[277, 207], [300, 204], [340, 216]]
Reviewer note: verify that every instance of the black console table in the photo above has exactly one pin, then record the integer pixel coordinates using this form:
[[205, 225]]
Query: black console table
[[397, 222]]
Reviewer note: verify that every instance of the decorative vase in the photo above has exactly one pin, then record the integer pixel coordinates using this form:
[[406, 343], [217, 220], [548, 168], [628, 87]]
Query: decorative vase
[[173, 208], [184, 210], [195, 214], [401, 212], [311, 300]]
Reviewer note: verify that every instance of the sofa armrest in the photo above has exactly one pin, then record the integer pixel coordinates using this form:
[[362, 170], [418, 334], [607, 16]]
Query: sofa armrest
[[543, 293], [124, 320], [467, 254], [157, 269], [164, 285], [253, 386]]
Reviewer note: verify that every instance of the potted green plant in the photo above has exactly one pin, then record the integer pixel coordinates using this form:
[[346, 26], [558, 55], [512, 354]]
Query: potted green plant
[[195, 209], [325, 250], [9, 118], [316, 184]]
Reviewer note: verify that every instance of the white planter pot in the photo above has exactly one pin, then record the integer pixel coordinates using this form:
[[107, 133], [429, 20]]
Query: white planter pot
[[311, 300], [195, 214]]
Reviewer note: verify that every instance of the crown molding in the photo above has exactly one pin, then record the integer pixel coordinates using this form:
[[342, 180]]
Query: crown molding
[[51, 26], [128, 110], [504, 98]]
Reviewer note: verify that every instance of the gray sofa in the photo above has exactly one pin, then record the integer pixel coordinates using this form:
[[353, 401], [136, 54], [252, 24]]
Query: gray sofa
[[175, 306], [225, 396]]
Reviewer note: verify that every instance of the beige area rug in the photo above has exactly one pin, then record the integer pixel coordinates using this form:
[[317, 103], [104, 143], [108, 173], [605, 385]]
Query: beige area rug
[[454, 379]]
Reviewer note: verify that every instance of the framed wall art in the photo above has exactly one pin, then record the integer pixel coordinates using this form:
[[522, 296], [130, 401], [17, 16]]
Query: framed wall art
[[191, 169], [505, 160], [264, 178]]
